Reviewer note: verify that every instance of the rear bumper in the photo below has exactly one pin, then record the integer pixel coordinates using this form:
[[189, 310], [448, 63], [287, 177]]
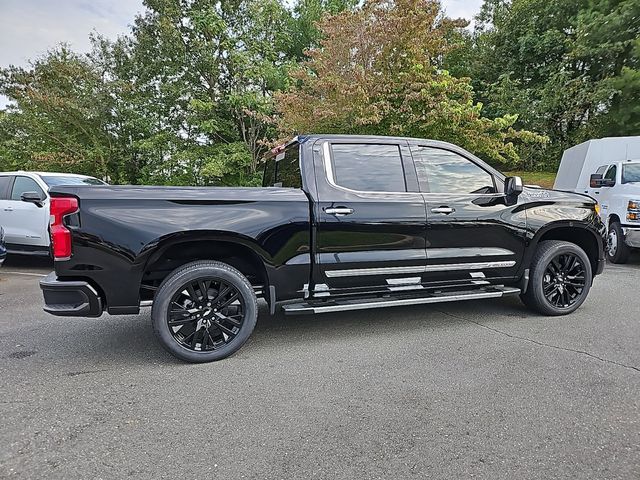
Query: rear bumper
[[632, 236], [70, 298]]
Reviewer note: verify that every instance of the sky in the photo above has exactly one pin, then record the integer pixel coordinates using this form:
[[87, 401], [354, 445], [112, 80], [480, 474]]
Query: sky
[[31, 27]]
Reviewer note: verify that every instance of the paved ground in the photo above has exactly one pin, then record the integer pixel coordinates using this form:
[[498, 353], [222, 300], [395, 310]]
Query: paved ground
[[477, 389]]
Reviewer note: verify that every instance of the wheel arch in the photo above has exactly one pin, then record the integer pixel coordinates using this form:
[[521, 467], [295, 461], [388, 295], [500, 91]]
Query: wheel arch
[[578, 234], [178, 249]]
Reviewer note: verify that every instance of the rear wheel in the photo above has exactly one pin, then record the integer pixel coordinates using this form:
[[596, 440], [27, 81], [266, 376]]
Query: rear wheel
[[617, 250], [204, 311], [560, 278]]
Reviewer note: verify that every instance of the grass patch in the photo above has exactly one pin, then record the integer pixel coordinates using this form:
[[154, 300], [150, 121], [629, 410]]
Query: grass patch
[[544, 179]]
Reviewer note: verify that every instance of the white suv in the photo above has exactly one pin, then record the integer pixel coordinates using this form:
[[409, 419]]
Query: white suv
[[25, 218]]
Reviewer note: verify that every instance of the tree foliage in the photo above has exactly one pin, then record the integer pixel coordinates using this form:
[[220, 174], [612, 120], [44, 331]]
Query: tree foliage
[[199, 89], [61, 117], [186, 98], [378, 70], [568, 68]]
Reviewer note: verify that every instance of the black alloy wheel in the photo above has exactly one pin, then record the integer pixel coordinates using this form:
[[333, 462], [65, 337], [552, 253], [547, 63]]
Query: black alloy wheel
[[204, 311], [564, 280], [205, 314], [560, 278]]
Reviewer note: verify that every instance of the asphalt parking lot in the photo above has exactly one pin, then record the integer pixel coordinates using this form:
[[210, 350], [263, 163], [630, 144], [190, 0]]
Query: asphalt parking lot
[[470, 390]]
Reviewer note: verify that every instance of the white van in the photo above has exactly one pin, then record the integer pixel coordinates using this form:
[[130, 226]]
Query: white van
[[25, 218], [608, 169]]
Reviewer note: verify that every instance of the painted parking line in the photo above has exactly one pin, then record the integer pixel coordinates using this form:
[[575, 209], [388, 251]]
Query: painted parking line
[[23, 273]]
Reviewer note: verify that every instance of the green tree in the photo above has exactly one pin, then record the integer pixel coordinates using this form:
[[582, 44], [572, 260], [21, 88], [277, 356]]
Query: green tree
[[378, 70], [568, 68], [59, 117], [304, 19]]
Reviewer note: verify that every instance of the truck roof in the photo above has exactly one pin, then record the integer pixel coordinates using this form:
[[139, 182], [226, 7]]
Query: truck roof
[[340, 136]]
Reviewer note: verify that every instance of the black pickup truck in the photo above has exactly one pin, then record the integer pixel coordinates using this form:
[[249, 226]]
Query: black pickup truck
[[341, 223]]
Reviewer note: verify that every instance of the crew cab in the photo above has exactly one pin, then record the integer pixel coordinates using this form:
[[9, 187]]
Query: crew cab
[[341, 223], [24, 207]]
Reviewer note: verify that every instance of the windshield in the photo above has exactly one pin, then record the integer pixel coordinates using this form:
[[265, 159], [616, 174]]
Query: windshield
[[631, 173], [60, 180]]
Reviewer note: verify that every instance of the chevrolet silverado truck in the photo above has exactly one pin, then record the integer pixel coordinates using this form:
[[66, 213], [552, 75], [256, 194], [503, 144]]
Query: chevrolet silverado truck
[[341, 223]]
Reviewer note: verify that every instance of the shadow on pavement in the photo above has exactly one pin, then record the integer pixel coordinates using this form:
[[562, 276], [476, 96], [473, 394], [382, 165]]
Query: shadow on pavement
[[117, 341], [28, 262]]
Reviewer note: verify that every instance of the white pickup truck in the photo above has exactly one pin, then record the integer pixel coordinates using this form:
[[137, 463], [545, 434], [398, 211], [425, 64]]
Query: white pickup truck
[[608, 169]]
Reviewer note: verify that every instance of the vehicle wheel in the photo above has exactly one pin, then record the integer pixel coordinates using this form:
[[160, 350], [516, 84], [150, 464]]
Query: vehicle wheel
[[560, 278], [617, 250], [204, 311]]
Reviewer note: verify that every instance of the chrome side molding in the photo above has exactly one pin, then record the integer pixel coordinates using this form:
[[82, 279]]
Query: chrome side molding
[[443, 267]]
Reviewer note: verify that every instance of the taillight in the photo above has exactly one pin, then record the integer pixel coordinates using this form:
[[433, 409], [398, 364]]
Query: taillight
[[60, 235]]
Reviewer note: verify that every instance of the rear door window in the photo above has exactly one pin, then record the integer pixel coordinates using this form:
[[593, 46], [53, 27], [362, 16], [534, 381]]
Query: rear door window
[[368, 167]]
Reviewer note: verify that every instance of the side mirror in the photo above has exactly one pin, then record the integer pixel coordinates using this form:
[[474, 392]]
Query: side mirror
[[595, 180], [32, 197], [513, 186]]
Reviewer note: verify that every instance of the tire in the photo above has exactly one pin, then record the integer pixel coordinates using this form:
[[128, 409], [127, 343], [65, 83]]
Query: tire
[[559, 280], [617, 250], [212, 307]]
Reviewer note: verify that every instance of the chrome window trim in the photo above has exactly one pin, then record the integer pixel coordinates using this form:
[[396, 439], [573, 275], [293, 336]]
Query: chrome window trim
[[443, 267], [328, 169]]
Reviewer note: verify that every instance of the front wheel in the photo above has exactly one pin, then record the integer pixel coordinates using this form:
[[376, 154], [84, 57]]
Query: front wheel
[[617, 250], [560, 278], [204, 311]]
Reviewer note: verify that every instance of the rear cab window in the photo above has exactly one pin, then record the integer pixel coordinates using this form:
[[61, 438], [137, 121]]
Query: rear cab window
[[282, 169]]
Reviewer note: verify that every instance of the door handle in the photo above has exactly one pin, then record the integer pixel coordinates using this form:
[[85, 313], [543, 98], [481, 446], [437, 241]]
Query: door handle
[[338, 211], [443, 210], [8, 209]]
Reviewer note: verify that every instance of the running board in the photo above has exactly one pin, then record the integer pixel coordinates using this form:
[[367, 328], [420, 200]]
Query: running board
[[342, 305]]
